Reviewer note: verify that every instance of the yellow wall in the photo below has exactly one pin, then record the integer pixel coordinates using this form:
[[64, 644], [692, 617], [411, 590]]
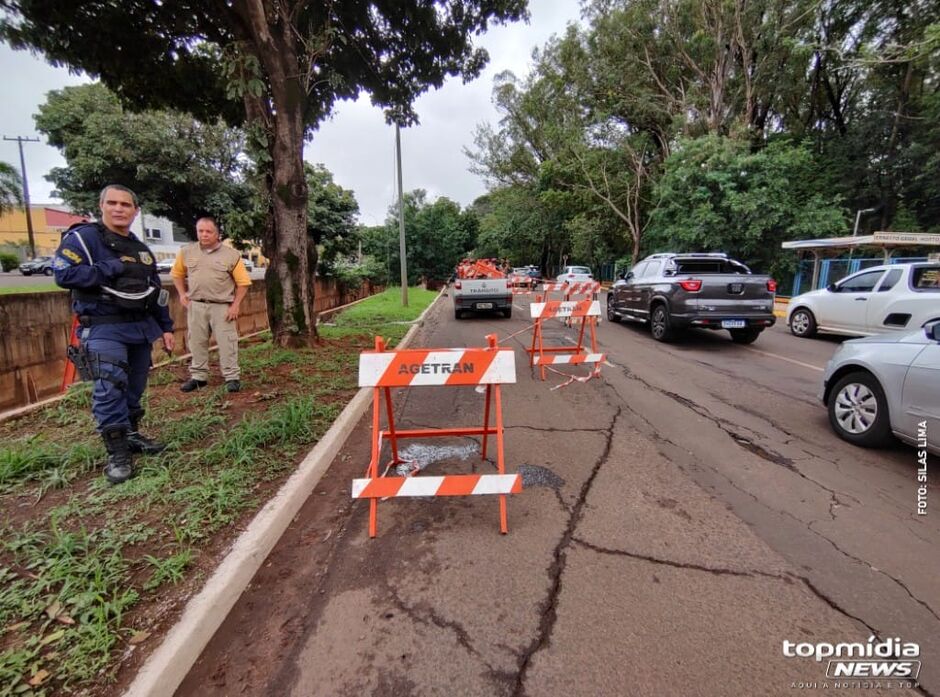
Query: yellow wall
[[13, 230]]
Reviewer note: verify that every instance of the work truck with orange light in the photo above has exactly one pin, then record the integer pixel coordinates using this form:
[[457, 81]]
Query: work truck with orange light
[[673, 292], [482, 286]]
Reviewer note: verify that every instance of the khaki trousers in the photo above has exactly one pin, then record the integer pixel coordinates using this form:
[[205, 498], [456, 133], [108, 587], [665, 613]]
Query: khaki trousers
[[206, 318]]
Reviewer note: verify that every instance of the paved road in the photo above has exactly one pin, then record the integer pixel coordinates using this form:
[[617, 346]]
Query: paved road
[[682, 518]]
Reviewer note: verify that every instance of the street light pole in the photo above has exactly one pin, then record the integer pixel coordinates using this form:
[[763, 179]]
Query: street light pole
[[401, 223], [29, 218]]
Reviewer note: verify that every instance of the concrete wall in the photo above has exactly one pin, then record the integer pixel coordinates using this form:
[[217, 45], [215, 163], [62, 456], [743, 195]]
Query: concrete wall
[[34, 333]]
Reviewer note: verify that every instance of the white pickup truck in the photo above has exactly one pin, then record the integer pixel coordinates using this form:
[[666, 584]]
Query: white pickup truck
[[876, 300], [483, 294]]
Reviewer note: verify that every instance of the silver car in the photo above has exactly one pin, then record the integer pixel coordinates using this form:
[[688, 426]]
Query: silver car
[[884, 384]]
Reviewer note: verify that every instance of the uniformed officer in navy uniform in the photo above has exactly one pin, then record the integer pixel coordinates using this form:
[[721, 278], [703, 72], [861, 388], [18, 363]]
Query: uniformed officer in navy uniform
[[122, 310]]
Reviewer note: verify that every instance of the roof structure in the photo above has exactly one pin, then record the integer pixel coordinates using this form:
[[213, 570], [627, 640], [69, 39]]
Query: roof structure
[[884, 240]]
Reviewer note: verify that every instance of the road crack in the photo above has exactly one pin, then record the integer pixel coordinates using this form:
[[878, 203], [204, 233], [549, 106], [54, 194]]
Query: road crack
[[548, 608], [787, 578]]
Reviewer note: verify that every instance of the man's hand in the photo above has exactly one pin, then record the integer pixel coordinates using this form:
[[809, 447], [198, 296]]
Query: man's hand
[[232, 313], [184, 300], [169, 342]]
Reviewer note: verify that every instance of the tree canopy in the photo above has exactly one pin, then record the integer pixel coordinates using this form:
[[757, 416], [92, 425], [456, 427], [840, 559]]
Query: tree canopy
[[11, 188], [632, 131], [179, 167], [275, 68]]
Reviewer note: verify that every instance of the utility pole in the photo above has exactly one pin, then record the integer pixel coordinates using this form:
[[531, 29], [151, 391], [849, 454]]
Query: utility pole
[[29, 218], [401, 223]]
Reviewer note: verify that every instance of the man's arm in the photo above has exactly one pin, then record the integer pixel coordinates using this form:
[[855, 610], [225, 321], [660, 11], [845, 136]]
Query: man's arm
[[74, 269], [242, 283], [178, 274]]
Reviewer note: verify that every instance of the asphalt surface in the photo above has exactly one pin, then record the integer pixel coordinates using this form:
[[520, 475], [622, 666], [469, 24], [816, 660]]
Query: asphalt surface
[[683, 516]]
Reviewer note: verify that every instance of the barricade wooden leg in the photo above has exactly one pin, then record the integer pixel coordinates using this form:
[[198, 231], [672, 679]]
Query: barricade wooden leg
[[374, 464], [391, 426], [69, 376], [580, 347], [500, 462], [486, 419]]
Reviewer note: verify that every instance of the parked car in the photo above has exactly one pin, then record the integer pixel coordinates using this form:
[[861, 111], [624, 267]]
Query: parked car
[[711, 291], [521, 278], [41, 265], [886, 384], [534, 273], [249, 264], [575, 274], [165, 265], [889, 298]]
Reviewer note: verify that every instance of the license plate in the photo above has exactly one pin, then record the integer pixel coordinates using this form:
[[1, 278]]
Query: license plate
[[733, 324], [736, 288], [484, 306]]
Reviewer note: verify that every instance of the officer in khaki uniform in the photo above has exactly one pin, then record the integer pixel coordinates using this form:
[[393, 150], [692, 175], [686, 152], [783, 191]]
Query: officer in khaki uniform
[[212, 282]]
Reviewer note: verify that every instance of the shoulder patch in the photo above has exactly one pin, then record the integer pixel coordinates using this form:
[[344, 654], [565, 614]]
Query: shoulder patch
[[60, 263], [73, 256]]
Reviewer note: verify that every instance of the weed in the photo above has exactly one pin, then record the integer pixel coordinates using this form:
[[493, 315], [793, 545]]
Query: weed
[[170, 569]]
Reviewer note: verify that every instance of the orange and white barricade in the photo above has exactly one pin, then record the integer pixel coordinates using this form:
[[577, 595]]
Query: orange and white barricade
[[68, 375], [454, 367], [587, 311]]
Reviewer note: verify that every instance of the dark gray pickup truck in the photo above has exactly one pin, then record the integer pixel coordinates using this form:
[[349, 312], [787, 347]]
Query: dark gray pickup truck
[[711, 291]]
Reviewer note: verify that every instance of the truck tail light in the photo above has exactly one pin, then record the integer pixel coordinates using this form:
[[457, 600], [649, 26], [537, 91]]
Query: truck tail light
[[458, 285], [508, 283], [693, 285], [772, 285]]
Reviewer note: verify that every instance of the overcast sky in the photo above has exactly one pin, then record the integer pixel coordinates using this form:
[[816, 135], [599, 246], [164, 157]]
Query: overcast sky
[[355, 144]]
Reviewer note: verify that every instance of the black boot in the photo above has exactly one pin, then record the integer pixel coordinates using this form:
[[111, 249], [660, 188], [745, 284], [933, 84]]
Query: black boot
[[120, 465], [138, 442]]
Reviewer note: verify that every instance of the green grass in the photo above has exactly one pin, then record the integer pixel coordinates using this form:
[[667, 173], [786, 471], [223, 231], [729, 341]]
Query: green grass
[[15, 290], [385, 308], [92, 552]]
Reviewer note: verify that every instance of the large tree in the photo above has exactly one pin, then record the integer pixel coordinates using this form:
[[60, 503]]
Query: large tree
[[275, 66], [181, 168]]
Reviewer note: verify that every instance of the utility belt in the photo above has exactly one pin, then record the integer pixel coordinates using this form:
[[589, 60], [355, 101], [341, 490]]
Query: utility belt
[[214, 302], [124, 318]]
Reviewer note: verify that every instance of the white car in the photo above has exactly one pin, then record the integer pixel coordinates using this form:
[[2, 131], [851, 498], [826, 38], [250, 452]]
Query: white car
[[879, 299], [886, 384], [165, 265], [575, 274], [249, 264]]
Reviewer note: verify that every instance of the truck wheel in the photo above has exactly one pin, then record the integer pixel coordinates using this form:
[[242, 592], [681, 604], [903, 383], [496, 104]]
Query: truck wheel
[[745, 336], [611, 315], [803, 323], [507, 313], [660, 325], [458, 313]]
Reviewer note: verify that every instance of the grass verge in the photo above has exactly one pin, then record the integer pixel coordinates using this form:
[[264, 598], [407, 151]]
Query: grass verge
[[90, 572], [43, 288]]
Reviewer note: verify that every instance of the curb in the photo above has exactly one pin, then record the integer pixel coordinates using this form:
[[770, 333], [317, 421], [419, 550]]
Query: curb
[[165, 669]]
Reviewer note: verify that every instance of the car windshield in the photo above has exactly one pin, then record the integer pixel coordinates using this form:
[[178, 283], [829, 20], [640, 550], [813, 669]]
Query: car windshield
[[578, 269]]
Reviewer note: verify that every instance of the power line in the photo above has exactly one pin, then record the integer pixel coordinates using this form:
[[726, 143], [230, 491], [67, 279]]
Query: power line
[[29, 218]]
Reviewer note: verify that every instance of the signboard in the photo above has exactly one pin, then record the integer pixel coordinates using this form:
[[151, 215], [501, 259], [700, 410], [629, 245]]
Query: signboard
[[912, 239], [933, 257]]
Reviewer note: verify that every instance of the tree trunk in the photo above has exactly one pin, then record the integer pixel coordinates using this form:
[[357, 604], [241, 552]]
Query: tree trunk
[[290, 279]]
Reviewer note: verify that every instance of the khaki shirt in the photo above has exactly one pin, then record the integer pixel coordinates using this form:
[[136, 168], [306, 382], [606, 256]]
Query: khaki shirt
[[211, 276]]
